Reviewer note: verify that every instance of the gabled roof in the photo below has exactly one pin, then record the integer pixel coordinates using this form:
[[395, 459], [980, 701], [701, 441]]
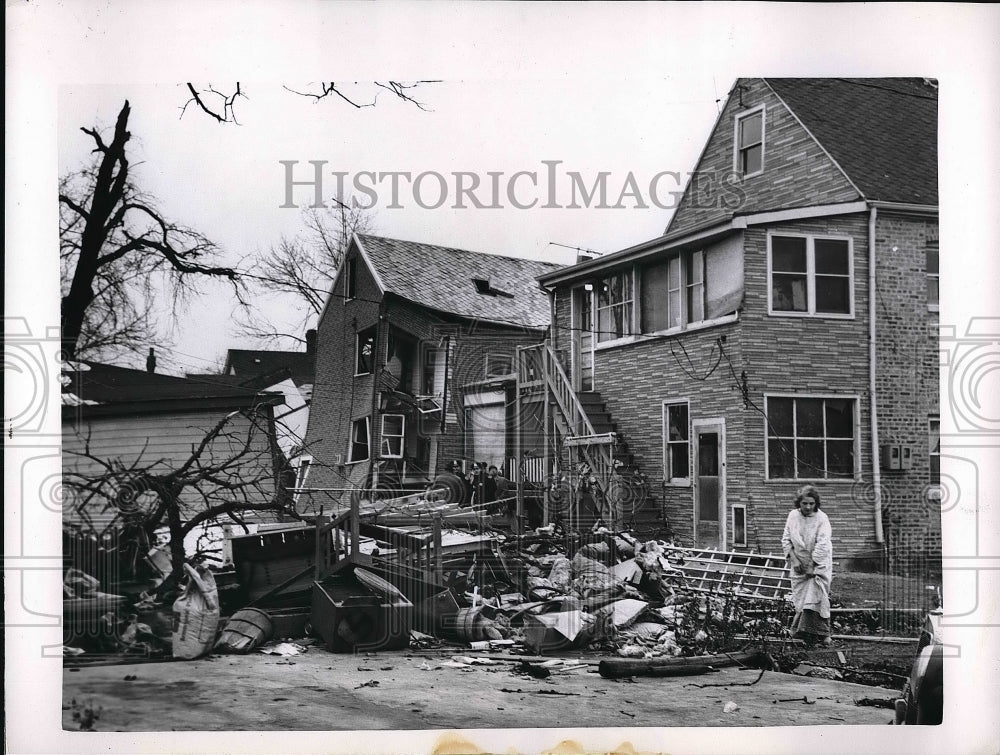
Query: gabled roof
[[444, 279], [882, 132], [92, 384], [258, 363]]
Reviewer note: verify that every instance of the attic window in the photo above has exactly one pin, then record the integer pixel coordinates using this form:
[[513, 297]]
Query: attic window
[[749, 143], [483, 287]]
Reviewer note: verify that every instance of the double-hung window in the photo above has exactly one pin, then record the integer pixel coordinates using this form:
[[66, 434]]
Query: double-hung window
[[393, 431], [810, 275], [676, 443], [749, 138], [810, 438], [614, 306], [933, 275], [360, 433]]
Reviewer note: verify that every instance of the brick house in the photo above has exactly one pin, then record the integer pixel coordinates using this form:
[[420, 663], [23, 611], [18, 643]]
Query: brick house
[[414, 363], [741, 354]]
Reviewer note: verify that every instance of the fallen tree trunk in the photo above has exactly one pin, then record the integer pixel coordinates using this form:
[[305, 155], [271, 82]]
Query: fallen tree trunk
[[615, 668]]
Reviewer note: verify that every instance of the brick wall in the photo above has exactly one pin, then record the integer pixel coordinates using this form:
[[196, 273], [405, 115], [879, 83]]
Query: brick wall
[[338, 397], [797, 173], [908, 381]]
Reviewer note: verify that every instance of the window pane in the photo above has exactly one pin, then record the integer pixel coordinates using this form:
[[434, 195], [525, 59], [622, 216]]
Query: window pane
[[788, 293], [833, 295], [654, 298], [392, 424], [932, 258], [625, 313], [840, 458], [696, 303], [674, 277], [696, 268], [809, 417], [739, 526], [839, 418], [750, 130], [810, 458], [832, 256], [788, 254], [626, 287], [605, 325], [779, 416], [677, 420], [780, 463], [935, 470], [933, 295], [678, 458], [752, 159]]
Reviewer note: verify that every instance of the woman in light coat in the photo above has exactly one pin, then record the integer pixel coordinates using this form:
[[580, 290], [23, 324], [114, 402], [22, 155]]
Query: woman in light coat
[[808, 547]]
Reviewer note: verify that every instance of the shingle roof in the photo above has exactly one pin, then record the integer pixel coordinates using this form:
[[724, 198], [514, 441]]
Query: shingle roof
[[96, 383], [882, 132], [249, 363], [442, 279]]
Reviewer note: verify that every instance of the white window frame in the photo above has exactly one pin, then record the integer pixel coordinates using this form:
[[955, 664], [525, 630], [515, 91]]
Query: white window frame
[[856, 430], [676, 482], [302, 475], [351, 280], [400, 436], [507, 359], [352, 442], [685, 264], [810, 274], [740, 507], [626, 304], [357, 349], [737, 168]]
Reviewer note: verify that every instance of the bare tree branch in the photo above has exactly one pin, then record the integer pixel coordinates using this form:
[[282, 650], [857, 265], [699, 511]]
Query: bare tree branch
[[118, 253]]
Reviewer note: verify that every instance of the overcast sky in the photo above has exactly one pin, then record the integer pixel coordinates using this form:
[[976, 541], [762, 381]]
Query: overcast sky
[[227, 180]]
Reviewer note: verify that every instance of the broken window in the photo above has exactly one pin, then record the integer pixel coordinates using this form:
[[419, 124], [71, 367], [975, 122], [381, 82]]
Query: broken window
[[498, 365], [393, 431], [810, 275], [614, 306], [810, 438], [359, 440], [750, 143], [365, 360], [676, 447]]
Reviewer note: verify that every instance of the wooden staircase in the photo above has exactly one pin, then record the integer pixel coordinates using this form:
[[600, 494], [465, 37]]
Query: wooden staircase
[[596, 450]]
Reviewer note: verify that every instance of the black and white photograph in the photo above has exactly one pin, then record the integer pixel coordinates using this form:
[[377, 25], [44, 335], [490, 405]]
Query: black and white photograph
[[470, 378]]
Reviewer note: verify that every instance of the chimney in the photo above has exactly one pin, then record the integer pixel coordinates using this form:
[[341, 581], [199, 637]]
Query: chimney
[[311, 342], [151, 361]]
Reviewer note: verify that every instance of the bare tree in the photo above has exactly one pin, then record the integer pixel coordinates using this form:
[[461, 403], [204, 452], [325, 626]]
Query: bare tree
[[220, 103], [235, 468], [118, 251], [297, 274]]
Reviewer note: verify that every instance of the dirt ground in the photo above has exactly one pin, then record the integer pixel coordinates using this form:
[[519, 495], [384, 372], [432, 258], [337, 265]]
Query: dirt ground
[[411, 690]]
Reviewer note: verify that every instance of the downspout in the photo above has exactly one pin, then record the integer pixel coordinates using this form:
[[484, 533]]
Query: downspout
[[872, 400]]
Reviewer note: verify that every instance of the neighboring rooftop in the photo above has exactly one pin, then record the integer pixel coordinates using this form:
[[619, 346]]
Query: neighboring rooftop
[[460, 282], [882, 132], [92, 383], [300, 366]]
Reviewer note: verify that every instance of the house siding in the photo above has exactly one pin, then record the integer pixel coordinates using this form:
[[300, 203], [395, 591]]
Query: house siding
[[162, 442], [797, 172]]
